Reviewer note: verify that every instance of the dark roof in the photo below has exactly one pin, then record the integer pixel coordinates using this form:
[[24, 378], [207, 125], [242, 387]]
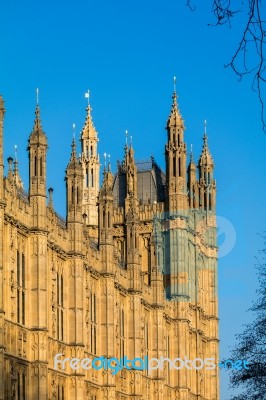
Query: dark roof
[[150, 183]]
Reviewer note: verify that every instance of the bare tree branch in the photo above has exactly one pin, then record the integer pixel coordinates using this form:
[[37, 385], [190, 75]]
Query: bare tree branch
[[249, 57]]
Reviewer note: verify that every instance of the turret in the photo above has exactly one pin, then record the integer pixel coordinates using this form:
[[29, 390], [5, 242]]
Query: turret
[[106, 204], [192, 182], [175, 157], [91, 169], [74, 186], [207, 184], [37, 149], [37, 154]]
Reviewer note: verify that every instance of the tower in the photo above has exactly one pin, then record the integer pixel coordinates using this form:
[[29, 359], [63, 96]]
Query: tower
[[36, 265], [91, 169], [176, 215], [2, 209]]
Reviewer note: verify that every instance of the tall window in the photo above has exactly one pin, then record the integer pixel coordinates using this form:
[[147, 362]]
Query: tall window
[[174, 166], [122, 333], [146, 341], [92, 178], [72, 194], [60, 392], [21, 288], [87, 177], [168, 356], [21, 385], [77, 195], [93, 324], [35, 166], [179, 166], [60, 306], [41, 166]]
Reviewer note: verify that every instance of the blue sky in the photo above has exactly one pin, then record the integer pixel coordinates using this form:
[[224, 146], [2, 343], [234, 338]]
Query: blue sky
[[127, 53]]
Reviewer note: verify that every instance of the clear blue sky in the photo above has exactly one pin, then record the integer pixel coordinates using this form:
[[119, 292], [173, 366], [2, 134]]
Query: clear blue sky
[[126, 53]]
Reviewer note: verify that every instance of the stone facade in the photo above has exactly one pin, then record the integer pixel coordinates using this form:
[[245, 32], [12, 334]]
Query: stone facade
[[131, 272]]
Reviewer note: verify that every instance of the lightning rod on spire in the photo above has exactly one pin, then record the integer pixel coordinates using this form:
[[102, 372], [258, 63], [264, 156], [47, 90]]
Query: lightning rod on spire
[[126, 136], [16, 152], [74, 131], [37, 96], [87, 96], [104, 154], [174, 83], [205, 127]]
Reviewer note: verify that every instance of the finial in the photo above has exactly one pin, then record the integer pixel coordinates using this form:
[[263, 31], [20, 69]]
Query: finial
[[205, 137], [126, 136], [37, 96], [16, 152], [174, 84], [191, 152], [174, 96], [74, 131], [131, 137], [109, 162], [104, 155], [87, 96]]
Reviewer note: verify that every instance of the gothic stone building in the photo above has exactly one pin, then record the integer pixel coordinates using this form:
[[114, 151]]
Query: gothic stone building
[[131, 272]]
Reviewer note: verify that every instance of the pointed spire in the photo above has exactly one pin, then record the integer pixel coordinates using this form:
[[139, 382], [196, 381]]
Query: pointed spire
[[37, 134], [191, 153], [126, 143], [205, 157], [17, 178], [74, 150], [175, 117], [107, 174], [88, 130], [104, 156]]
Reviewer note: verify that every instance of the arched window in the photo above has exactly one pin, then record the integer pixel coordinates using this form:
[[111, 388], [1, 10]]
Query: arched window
[[103, 219], [72, 194], [91, 151], [174, 166], [210, 202], [35, 166], [77, 195], [179, 166], [87, 178], [41, 166], [92, 178], [205, 201]]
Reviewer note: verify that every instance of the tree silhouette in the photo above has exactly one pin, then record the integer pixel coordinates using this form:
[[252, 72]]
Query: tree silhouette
[[251, 345]]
